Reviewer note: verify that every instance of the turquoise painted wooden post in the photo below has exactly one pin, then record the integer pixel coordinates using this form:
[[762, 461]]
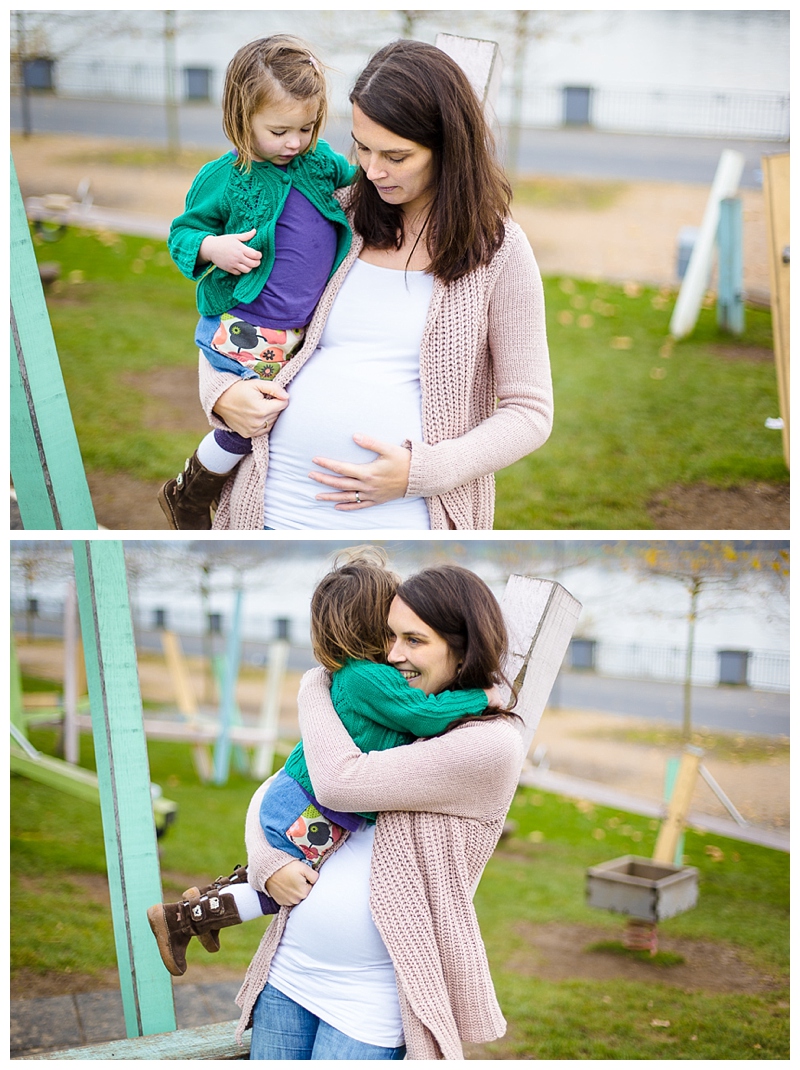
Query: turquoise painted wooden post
[[730, 306], [222, 750], [124, 777], [46, 464]]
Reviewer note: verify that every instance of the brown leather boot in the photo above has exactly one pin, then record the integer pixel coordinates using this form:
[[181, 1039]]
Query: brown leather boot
[[174, 925], [210, 939], [187, 500]]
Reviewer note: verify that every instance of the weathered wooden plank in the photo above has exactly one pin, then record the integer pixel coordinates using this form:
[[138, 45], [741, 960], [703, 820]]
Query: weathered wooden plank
[[124, 779], [776, 204], [206, 1042], [540, 616], [202, 732], [680, 801], [46, 464], [186, 698], [479, 60], [271, 707]]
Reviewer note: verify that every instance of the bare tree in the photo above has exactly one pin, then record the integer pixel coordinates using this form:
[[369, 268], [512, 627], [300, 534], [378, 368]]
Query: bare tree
[[711, 573]]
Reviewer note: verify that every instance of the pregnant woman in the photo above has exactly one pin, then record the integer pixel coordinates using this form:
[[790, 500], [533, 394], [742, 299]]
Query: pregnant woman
[[425, 367], [378, 953]]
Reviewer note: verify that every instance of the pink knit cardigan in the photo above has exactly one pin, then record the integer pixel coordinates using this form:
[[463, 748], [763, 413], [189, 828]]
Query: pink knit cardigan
[[487, 396], [443, 802]]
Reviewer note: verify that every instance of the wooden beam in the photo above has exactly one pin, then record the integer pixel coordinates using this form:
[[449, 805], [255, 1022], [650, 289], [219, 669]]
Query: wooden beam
[[124, 780], [186, 698], [271, 707], [479, 60], [206, 1042], [540, 616], [776, 204], [46, 464], [680, 801]]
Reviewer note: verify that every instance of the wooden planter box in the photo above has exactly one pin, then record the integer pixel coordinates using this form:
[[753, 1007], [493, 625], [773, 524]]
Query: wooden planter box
[[642, 888]]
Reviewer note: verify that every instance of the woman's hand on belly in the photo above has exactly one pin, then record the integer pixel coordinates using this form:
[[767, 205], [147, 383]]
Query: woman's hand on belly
[[290, 884], [251, 406], [358, 486]]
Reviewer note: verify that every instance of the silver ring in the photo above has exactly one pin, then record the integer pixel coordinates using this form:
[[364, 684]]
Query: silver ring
[[358, 498]]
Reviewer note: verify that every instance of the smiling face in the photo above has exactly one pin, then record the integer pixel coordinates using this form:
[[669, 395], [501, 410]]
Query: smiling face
[[283, 129], [420, 653], [402, 171]]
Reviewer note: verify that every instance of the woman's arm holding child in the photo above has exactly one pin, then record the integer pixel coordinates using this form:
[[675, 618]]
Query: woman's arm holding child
[[283, 876], [471, 771]]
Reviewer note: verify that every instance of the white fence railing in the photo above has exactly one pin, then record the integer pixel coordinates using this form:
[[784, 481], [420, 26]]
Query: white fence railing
[[730, 113]]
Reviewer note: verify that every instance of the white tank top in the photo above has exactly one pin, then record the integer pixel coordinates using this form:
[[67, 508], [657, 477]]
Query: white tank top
[[363, 377], [331, 958]]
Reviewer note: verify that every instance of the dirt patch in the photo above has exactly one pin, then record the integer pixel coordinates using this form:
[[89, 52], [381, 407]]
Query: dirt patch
[[123, 503], [557, 952], [751, 354], [749, 506]]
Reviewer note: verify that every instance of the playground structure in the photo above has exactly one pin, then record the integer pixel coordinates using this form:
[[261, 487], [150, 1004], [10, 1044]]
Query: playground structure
[[217, 735], [541, 616]]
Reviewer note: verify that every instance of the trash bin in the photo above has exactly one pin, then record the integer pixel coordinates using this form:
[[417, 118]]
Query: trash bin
[[282, 627], [37, 73], [581, 653], [733, 667], [197, 82], [577, 101], [159, 618]]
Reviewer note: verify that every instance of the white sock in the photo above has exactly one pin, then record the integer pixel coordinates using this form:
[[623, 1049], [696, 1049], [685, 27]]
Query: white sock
[[213, 457], [247, 902]]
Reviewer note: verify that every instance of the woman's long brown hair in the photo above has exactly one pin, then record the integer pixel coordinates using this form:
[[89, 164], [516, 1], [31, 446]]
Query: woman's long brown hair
[[460, 608], [419, 93]]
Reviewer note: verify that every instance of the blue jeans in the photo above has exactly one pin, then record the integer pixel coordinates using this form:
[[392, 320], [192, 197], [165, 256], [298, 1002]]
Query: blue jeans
[[282, 1029]]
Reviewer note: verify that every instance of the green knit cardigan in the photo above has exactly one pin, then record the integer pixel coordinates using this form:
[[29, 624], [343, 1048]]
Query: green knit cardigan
[[224, 199]]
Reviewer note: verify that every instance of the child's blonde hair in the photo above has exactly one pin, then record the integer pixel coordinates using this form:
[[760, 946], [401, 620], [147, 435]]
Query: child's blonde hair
[[257, 75], [350, 608]]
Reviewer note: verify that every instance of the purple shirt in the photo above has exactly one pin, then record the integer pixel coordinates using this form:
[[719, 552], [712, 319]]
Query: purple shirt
[[305, 249]]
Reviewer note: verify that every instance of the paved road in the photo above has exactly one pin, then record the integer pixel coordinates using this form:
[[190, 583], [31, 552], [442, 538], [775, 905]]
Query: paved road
[[575, 153], [731, 708]]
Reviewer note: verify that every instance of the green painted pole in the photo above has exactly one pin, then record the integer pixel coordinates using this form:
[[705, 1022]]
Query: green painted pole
[[46, 465], [730, 306], [124, 779]]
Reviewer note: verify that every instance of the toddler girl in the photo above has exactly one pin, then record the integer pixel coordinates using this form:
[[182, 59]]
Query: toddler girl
[[379, 709], [261, 234]]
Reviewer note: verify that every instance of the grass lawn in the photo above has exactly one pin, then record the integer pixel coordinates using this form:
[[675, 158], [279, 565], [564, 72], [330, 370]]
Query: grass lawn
[[535, 879], [635, 413]]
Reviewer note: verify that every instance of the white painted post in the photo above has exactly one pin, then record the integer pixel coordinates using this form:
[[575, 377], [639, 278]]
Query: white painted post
[[479, 60], [695, 281], [71, 737], [270, 707], [124, 780]]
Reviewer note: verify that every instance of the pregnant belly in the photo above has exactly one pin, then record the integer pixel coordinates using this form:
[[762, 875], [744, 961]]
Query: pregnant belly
[[334, 396]]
